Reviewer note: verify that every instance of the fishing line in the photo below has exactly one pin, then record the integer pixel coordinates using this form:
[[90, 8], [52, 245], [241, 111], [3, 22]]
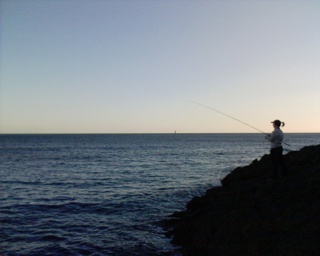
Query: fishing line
[[229, 116], [236, 119]]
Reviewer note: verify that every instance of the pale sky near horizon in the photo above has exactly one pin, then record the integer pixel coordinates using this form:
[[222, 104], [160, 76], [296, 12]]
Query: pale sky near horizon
[[135, 66]]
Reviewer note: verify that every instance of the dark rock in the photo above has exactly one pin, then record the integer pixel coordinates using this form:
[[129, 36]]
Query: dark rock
[[249, 215], [195, 203]]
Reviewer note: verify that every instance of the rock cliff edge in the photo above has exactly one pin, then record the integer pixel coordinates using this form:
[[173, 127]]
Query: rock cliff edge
[[251, 215]]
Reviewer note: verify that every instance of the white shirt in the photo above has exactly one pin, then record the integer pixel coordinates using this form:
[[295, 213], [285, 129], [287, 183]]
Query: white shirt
[[275, 138]]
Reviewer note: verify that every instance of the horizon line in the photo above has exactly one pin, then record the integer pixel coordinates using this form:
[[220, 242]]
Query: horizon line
[[151, 133]]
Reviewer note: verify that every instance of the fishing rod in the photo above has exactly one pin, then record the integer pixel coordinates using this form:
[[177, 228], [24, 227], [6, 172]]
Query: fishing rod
[[236, 119]]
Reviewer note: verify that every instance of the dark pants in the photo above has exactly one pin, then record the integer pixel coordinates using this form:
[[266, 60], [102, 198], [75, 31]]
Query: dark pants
[[277, 163]]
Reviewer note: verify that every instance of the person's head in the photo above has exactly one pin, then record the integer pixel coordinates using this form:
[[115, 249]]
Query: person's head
[[277, 123]]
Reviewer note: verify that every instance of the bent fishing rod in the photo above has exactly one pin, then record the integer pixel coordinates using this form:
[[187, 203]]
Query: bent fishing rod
[[236, 119]]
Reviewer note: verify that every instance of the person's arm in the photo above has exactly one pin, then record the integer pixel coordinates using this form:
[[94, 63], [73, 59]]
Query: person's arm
[[273, 136]]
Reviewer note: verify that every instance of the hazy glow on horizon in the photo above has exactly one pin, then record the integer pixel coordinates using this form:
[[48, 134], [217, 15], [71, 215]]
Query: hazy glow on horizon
[[135, 66]]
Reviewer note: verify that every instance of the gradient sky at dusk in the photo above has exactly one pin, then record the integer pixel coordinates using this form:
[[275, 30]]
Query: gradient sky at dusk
[[134, 66]]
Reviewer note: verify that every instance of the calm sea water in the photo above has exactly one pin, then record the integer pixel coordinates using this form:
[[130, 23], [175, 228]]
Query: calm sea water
[[105, 194]]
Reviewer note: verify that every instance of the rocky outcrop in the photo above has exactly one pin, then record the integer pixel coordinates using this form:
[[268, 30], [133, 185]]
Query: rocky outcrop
[[251, 215]]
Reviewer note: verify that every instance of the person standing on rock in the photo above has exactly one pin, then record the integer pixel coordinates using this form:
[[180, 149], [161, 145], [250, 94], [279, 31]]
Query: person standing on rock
[[276, 150]]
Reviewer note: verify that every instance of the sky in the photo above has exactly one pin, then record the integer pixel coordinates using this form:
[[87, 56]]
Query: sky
[[137, 66]]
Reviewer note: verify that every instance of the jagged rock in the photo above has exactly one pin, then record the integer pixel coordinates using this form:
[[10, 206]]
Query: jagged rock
[[249, 215]]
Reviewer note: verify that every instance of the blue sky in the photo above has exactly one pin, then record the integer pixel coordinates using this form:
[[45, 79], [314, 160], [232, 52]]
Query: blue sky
[[135, 66]]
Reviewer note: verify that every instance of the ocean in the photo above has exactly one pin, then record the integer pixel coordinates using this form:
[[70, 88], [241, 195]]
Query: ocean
[[105, 194]]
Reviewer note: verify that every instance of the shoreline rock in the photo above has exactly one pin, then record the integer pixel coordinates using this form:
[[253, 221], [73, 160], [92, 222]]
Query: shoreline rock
[[250, 215]]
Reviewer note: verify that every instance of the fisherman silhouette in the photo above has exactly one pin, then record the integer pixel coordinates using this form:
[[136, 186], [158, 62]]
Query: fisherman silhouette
[[276, 150]]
